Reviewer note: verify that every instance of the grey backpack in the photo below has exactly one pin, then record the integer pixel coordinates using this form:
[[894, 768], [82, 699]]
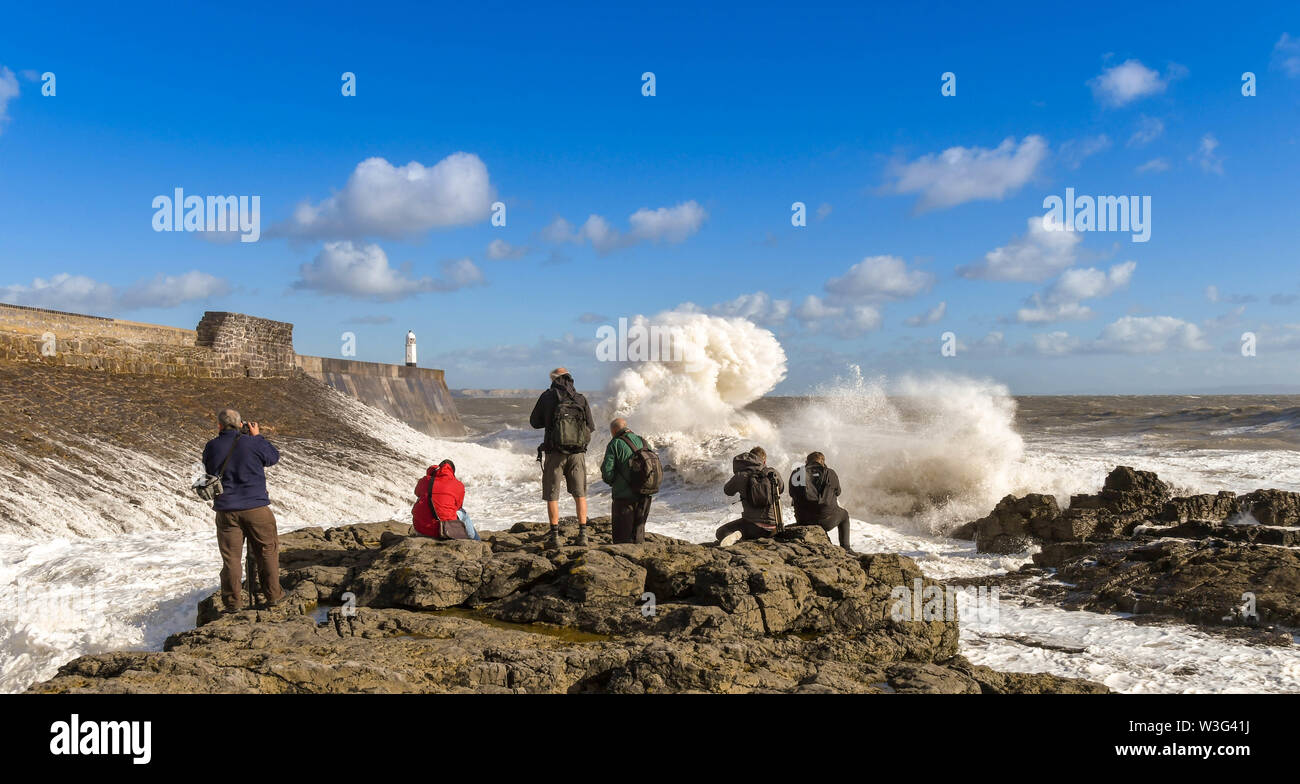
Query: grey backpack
[[209, 486]]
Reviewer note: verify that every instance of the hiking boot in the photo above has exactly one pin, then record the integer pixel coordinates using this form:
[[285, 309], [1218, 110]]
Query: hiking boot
[[729, 539], [553, 538], [269, 604], [582, 536]]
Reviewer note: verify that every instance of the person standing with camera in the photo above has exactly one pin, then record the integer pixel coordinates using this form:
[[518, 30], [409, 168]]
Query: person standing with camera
[[238, 456]]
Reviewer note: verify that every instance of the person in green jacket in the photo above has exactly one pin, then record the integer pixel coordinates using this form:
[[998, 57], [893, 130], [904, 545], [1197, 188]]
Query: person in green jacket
[[629, 508]]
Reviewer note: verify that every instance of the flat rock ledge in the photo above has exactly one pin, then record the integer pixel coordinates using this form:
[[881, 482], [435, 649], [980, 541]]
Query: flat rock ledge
[[372, 609]]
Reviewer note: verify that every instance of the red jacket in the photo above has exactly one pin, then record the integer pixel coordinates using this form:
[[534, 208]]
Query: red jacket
[[448, 498]]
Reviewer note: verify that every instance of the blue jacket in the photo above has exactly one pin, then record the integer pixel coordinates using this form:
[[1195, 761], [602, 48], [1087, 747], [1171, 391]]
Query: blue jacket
[[244, 482]]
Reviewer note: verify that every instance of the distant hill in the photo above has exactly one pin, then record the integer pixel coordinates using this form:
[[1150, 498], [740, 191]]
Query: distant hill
[[496, 392]]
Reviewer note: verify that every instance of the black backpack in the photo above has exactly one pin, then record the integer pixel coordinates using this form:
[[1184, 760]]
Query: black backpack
[[813, 479], [569, 432], [760, 488], [645, 472]]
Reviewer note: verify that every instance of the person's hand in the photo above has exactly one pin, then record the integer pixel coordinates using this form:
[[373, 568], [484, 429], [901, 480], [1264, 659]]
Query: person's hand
[[253, 429]]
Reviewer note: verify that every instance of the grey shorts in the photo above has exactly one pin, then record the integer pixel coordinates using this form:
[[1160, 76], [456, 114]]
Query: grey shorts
[[572, 469]]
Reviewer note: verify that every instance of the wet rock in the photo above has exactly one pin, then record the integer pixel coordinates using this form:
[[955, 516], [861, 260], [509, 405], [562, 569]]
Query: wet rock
[[1014, 523], [788, 614], [1211, 582]]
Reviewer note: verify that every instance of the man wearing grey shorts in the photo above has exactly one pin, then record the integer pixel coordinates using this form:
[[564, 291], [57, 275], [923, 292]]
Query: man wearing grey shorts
[[564, 413]]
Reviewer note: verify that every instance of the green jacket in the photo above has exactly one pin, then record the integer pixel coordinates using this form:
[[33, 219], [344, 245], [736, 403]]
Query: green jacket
[[614, 469]]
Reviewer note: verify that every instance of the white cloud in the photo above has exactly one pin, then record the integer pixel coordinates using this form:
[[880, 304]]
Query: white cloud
[[168, 291], [1037, 255], [878, 278], [1286, 55], [361, 271], [1205, 155], [383, 200], [1148, 130], [1154, 165], [1062, 300], [665, 224], [931, 316], [1075, 151], [1127, 82], [1090, 283], [81, 294], [758, 307], [1150, 335], [962, 174], [1055, 344], [845, 320], [8, 91], [1128, 335], [499, 249]]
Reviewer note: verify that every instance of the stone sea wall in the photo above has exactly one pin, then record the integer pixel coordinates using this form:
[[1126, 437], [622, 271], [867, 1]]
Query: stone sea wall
[[224, 345]]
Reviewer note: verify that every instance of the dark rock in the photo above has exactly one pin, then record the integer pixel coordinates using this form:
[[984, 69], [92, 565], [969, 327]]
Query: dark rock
[[1014, 522], [1205, 582], [788, 614]]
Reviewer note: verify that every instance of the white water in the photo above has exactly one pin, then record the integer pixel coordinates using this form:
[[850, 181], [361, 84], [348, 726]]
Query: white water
[[916, 457]]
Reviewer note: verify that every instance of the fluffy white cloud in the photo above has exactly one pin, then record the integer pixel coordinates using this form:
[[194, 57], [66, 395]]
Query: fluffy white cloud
[[361, 271], [1037, 255], [665, 224], [877, 279], [1205, 155], [931, 316], [1128, 335], [1127, 82], [962, 174], [383, 200], [1090, 283], [1055, 344], [1062, 300], [758, 307], [845, 320], [168, 291], [81, 294], [1286, 55], [8, 91], [499, 249], [1150, 335]]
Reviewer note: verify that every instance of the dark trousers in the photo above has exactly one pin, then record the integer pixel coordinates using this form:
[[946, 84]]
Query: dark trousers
[[747, 530], [259, 526], [839, 520], [628, 516]]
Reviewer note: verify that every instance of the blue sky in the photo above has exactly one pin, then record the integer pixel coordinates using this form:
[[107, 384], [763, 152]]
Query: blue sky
[[914, 198]]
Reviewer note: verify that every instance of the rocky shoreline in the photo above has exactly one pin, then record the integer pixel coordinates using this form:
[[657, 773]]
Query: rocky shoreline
[[1223, 562], [373, 610]]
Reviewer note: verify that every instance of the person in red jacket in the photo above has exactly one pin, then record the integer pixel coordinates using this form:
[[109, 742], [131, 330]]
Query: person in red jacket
[[448, 499]]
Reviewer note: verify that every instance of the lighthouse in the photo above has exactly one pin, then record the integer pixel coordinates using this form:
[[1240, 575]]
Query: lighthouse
[[410, 349]]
